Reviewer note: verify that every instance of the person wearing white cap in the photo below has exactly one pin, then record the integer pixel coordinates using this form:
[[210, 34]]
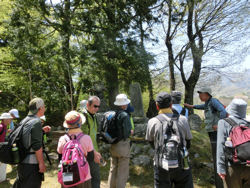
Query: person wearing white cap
[[73, 122], [5, 121], [120, 151], [233, 175], [214, 111], [15, 115]]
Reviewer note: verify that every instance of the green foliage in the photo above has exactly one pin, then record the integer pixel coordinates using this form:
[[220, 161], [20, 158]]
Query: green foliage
[[60, 51]]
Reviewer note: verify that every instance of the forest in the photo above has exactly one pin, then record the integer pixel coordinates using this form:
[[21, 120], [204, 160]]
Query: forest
[[62, 51]]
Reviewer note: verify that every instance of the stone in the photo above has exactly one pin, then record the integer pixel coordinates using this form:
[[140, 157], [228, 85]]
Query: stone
[[195, 122], [196, 155], [140, 130], [138, 120], [136, 99], [135, 149], [98, 90], [53, 156], [143, 160]]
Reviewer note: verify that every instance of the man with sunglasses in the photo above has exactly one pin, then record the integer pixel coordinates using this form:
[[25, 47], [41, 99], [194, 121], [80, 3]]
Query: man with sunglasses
[[90, 128]]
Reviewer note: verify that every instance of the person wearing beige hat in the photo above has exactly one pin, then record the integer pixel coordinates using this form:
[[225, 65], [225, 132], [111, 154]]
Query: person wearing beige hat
[[72, 124], [5, 121], [120, 151], [214, 111]]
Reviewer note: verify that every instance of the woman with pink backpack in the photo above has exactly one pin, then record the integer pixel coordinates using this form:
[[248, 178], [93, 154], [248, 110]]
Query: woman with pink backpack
[[76, 149]]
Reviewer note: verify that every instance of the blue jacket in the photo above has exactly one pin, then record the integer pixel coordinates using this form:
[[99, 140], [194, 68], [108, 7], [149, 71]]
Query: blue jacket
[[214, 111]]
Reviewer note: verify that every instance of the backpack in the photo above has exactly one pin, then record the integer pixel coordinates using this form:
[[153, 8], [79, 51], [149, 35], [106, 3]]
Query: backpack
[[169, 143], [13, 151], [240, 137], [74, 166], [214, 110], [109, 131]]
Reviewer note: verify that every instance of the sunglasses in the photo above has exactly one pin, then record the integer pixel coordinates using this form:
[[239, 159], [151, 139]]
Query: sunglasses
[[96, 106]]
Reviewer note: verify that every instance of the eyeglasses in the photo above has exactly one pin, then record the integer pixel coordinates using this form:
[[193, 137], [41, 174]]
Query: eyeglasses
[[96, 106]]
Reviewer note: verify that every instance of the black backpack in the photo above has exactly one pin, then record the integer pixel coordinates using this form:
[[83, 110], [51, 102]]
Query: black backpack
[[13, 151], [109, 131], [183, 111], [169, 143]]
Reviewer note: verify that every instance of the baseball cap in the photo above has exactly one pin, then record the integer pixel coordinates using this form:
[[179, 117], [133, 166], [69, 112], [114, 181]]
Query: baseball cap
[[164, 100], [14, 112], [176, 97]]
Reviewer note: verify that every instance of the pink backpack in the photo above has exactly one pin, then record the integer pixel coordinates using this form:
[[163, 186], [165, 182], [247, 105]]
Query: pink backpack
[[74, 167]]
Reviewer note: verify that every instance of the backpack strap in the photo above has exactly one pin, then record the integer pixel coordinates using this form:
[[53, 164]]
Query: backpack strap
[[2, 131], [230, 121], [87, 120], [76, 137], [183, 111]]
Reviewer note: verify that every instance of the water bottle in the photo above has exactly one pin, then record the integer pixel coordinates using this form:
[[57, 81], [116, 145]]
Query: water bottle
[[15, 153], [185, 159], [229, 143], [59, 166]]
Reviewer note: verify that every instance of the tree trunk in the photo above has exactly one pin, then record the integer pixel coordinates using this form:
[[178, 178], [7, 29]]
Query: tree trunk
[[112, 84], [66, 33], [168, 43]]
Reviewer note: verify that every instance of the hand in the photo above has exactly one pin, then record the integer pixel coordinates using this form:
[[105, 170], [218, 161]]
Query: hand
[[46, 128], [132, 132], [188, 105], [42, 167], [222, 176], [97, 157], [215, 127], [9, 130]]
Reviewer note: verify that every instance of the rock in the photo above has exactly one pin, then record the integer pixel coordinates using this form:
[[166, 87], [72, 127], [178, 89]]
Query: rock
[[196, 155], [140, 120], [209, 165], [143, 160], [151, 153], [195, 122], [136, 99], [53, 156], [140, 130], [136, 149], [59, 128]]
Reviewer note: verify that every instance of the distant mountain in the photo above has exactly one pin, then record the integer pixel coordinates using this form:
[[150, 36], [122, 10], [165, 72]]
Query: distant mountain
[[238, 85]]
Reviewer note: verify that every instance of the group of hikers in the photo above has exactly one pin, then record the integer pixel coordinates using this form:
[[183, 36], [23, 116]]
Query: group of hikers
[[168, 133]]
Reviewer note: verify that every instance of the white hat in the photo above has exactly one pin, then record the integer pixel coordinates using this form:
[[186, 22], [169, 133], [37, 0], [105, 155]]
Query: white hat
[[121, 100], [205, 90], [73, 119], [43, 118], [14, 112], [6, 116]]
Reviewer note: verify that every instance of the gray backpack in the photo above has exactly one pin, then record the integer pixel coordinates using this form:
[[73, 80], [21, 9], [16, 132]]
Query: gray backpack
[[169, 143]]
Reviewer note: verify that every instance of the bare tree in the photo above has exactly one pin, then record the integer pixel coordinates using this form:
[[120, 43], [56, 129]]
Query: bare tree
[[195, 30]]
